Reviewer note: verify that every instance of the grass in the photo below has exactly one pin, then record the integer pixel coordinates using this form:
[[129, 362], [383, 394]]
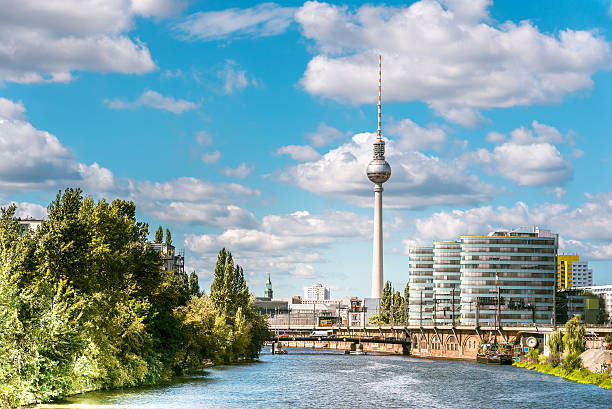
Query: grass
[[578, 375]]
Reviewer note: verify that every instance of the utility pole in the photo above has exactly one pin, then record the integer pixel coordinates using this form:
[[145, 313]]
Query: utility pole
[[421, 308], [453, 304], [314, 315], [392, 301]]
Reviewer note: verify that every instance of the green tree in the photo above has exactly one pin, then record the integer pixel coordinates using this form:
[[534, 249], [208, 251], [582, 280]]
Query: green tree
[[573, 339], [194, 285], [168, 237], [385, 304], [555, 343], [398, 308], [159, 235]]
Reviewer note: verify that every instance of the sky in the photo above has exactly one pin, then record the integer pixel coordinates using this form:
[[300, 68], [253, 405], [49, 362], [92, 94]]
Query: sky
[[249, 125]]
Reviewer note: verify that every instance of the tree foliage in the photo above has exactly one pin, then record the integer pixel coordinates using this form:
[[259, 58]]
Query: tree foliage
[[555, 343], [159, 235], [573, 339], [84, 304]]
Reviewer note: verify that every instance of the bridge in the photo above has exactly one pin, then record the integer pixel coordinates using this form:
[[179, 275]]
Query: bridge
[[440, 341]]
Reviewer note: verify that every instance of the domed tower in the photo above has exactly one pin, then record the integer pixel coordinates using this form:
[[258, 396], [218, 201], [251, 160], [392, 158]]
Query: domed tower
[[379, 172], [268, 291]]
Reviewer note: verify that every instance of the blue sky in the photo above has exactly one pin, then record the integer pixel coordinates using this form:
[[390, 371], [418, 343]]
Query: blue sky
[[249, 125]]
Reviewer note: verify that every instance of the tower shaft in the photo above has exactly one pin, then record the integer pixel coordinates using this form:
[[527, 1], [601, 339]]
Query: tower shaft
[[377, 253]]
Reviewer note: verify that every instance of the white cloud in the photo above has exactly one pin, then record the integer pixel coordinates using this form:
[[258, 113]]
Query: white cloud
[[495, 137], [301, 153], [11, 110], [543, 134], [158, 8], [450, 58], [559, 192], [324, 135], [266, 19], [203, 138], [34, 159], [415, 137], [211, 157], [537, 164], [209, 214], [46, 41], [291, 242], [241, 172], [234, 78], [155, 100], [26, 210], [589, 224], [417, 180]]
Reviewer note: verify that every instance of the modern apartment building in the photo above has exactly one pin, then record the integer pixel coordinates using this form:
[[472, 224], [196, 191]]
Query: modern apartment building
[[508, 277], [316, 292], [582, 275], [604, 291], [172, 260], [446, 281], [420, 277], [565, 263]]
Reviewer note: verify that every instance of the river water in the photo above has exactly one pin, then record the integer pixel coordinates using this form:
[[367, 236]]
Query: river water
[[307, 378]]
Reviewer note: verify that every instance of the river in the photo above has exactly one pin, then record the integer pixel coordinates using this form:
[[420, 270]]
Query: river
[[307, 378]]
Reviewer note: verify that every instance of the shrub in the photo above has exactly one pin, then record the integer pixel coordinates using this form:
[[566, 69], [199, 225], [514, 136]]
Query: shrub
[[553, 360], [533, 355], [571, 362]]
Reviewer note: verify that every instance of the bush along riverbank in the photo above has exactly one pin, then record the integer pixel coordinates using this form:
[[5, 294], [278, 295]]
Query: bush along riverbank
[[567, 352], [85, 305]]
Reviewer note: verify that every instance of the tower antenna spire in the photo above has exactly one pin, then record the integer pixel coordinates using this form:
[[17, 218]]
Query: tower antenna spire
[[379, 133]]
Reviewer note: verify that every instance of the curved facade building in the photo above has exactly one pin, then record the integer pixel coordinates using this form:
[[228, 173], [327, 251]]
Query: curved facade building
[[516, 268], [420, 266], [446, 281]]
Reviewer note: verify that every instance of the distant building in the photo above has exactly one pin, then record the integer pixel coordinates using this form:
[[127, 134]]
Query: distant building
[[266, 306], [575, 301], [605, 291], [316, 292], [421, 285], [29, 224], [268, 292], [171, 260]]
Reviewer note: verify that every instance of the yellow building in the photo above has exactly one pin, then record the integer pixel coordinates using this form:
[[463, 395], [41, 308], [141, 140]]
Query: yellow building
[[564, 270]]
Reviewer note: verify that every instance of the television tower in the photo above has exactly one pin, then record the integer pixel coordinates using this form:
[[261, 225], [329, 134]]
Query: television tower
[[379, 172]]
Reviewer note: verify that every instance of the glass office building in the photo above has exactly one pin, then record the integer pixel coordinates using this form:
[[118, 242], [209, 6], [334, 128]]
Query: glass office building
[[420, 273], [508, 277], [446, 281]]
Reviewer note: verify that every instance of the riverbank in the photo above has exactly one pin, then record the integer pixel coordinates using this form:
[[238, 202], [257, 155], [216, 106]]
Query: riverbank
[[579, 375]]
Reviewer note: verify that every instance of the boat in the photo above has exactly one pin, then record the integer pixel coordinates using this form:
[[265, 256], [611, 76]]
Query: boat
[[494, 354]]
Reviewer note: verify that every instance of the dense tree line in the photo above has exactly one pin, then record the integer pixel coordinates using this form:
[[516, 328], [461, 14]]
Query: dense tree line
[[84, 304]]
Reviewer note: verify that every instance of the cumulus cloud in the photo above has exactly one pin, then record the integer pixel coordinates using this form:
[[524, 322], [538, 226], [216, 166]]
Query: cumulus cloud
[[450, 57], [291, 242], [46, 41], [589, 224], [419, 180], [241, 172], [541, 134], [26, 210], [155, 100], [324, 135], [11, 110], [415, 137], [537, 164], [495, 137], [301, 153], [34, 159], [266, 19]]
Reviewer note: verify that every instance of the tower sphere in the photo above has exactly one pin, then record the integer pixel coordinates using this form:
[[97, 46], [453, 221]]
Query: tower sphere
[[379, 171]]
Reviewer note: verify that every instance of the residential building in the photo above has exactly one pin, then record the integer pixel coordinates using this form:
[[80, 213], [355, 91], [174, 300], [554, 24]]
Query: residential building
[[446, 281], [508, 277], [582, 275], [316, 292], [421, 287], [565, 263], [29, 224], [576, 301], [171, 259]]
